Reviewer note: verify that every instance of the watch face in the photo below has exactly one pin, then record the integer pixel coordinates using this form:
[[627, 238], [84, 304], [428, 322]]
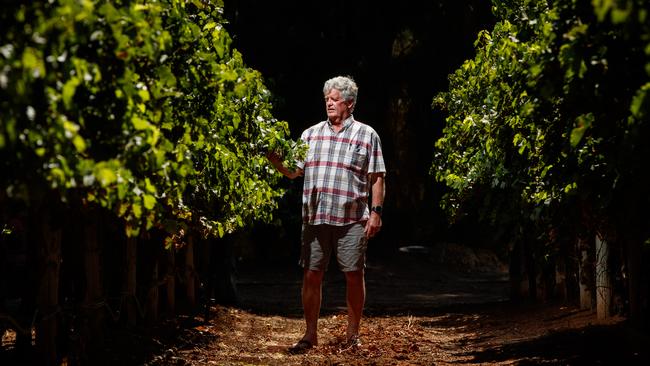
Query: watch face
[[377, 209]]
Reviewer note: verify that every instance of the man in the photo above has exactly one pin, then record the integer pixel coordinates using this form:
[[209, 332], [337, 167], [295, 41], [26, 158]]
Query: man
[[344, 168]]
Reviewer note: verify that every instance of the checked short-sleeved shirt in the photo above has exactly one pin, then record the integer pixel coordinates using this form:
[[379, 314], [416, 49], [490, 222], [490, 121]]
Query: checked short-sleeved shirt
[[336, 186]]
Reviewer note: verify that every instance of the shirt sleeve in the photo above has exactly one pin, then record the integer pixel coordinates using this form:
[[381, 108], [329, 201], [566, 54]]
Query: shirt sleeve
[[376, 162]]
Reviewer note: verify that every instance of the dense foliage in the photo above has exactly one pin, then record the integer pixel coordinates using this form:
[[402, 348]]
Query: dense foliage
[[140, 107], [547, 125]]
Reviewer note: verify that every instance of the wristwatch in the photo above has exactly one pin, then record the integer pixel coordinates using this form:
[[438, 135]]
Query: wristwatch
[[376, 209]]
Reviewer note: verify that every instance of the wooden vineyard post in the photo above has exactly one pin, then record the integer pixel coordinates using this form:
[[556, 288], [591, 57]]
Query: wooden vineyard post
[[637, 297], [561, 275], [152, 296], [48, 291], [93, 303], [603, 283], [189, 273], [131, 280], [170, 280], [516, 272], [585, 276], [204, 261]]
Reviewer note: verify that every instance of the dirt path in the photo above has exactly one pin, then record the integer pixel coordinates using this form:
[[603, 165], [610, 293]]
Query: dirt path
[[486, 334], [416, 314]]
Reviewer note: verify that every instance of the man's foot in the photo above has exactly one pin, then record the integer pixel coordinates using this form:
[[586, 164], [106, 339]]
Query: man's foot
[[302, 346], [352, 342]]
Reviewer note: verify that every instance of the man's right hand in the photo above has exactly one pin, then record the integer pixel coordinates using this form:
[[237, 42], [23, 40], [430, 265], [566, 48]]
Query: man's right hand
[[274, 157], [276, 160]]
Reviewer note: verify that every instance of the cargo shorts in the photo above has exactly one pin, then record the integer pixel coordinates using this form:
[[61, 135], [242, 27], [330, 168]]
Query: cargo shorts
[[348, 243]]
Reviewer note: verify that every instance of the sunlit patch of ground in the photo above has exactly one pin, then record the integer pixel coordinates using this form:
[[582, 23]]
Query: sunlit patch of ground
[[490, 334]]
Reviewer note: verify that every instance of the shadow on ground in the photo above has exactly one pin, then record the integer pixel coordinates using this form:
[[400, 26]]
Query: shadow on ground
[[399, 284], [613, 344]]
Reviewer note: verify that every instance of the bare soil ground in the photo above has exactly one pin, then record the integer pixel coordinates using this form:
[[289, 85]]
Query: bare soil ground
[[486, 334], [416, 314]]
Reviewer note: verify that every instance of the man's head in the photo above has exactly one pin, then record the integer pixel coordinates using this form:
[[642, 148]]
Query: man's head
[[340, 97]]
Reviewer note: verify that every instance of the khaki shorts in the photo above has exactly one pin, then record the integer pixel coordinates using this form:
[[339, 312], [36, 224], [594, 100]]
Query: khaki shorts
[[348, 242]]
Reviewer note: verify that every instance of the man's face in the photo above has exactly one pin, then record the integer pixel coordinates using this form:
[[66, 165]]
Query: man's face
[[338, 109]]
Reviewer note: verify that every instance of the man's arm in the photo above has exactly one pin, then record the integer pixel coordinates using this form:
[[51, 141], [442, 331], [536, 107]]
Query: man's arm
[[277, 163], [378, 189]]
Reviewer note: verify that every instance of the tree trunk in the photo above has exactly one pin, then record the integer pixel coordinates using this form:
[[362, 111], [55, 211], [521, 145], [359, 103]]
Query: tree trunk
[[223, 272], [531, 269], [634, 262], [603, 281], [586, 276], [48, 292], [131, 281], [190, 273], [545, 284], [204, 263], [152, 296], [94, 302], [398, 110], [571, 261], [561, 284], [170, 280], [518, 283]]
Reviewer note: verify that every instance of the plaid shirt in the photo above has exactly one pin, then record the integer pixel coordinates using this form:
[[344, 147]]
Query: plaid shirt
[[336, 186]]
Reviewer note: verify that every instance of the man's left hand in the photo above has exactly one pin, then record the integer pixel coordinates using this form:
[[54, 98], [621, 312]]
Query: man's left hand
[[373, 225]]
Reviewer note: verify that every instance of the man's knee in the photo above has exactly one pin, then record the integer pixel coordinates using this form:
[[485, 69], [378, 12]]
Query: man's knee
[[354, 277], [313, 278]]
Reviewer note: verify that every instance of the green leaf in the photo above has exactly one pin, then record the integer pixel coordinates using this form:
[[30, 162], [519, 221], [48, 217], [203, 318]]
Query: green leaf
[[68, 92], [166, 76], [121, 191], [602, 7], [220, 230], [139, 123], [79, 143], [33, 62], [137, 210], [229, 75], [583, 122], [105, 176], [570, 187], [149, 187], [144, 95], [641, 102], [149, 201]]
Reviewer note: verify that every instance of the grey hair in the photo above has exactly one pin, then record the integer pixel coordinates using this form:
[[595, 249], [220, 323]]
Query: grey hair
[[344, 84]]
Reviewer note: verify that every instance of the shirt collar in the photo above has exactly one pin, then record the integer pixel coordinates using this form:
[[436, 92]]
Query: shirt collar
[[348, 121]]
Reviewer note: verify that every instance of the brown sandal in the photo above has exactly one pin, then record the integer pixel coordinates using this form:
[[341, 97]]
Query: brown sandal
[[353, 343], [301, 347]]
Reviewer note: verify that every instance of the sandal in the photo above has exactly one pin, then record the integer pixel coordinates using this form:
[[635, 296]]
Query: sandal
[[301, 347], [353, 342]]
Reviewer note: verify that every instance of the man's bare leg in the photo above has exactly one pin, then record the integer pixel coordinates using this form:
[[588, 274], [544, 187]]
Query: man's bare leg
[[311, 300], [356, 296]]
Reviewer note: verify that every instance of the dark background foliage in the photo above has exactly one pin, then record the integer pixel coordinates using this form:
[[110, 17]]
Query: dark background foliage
[[400, 54]]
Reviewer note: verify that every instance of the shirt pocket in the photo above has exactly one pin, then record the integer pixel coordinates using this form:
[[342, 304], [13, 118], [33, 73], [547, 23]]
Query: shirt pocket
[[357, 158]]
